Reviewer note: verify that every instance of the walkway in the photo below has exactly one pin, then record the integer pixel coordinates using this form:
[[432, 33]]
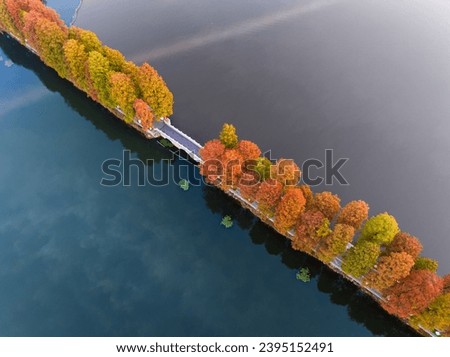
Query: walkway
[[179, 139]]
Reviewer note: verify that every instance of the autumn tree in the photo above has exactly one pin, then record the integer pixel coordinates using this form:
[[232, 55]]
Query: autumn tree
[[380, 229], [405, 242], [248, 186], [123, 94], [309, 231], [390, 269], [262, 167], [413, 294], [327, 203], [6, 21], [232, 168], [143, 113], [228, 136], [309, 196], [286, 171], [88, 38], [48, 38], [288, 211], [17, 9], [336, 243], [211, 154], [423, 263], [153, 90], [269, 195], [98, 77], [361, 258], [446, 280], [76, 58], [354, 214], [436, 316], [116, 59]]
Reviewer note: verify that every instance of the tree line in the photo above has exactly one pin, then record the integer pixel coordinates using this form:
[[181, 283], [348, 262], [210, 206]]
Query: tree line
[[382, 256], [78, 55]]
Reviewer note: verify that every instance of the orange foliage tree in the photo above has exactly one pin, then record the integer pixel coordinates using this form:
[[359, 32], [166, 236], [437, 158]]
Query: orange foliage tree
[[232, 168], [249, 150], [354, 214], [336, 243], [405, 242], [269, 195], [211, 154], [288, 211], [309, 196], [327, 203], [286, 171], [390, 269], [413, 294], [308, 231], [248, 186], [143, 113]]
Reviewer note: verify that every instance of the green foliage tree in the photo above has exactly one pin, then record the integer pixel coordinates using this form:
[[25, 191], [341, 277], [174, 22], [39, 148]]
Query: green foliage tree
[[89, 39], [361, 258], [98, 77], [123, 94], [436, 315], [262, 167], [423, 263], [228, 136], [380, 229]]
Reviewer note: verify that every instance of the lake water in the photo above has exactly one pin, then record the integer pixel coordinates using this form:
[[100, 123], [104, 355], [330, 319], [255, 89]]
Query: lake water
[[80, 259]]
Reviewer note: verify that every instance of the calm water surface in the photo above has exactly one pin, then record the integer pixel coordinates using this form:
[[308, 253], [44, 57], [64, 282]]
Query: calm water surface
[[367, 78], [79, 259]]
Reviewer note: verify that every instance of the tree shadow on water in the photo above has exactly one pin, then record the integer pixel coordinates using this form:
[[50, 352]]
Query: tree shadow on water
[[78, 101]]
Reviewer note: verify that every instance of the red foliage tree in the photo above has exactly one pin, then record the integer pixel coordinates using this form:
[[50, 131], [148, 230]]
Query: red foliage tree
[[289, 209], [269, 195], [413, 294], [354, 214], [327, 203], [211, 154], [143, 113], [390, 269], [307, 237], [405, 242], [446, 280], [309, 196], [286, 171]]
